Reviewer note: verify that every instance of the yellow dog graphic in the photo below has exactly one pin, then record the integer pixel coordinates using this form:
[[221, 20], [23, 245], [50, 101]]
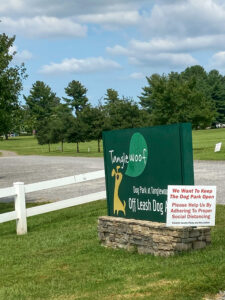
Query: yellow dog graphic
[[117, 204]]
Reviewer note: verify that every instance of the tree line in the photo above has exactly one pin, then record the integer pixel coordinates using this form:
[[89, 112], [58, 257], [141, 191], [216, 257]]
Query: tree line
[[192, 95], [76, 120]]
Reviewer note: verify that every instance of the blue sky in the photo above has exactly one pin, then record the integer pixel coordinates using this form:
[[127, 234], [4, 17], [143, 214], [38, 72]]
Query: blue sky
[[113, 44]]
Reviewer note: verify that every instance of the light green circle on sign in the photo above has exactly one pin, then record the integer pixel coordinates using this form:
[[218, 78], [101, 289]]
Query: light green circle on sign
[[138, 155]]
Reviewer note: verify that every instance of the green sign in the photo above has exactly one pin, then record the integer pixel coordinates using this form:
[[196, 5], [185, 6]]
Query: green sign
[[139, 165]]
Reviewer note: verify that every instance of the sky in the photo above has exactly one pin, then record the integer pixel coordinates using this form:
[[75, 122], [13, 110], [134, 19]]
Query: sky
[[112, 43]]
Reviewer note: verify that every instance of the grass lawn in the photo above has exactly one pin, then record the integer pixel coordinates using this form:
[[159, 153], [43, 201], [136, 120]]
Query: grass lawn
[[28, 145], [61, 258], [203, 146]]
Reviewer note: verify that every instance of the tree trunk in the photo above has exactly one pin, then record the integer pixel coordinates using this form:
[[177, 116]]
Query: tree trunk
[[49, 147], [99, 142], [6, 136], [62, 145], [78, 148]]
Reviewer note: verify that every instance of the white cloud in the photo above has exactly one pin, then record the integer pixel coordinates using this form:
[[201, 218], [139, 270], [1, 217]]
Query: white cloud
[[109, 14], [137, 75], [117, 50], [172, 60], [11, 5], [65, 8], [73, 65], [157, 18], [43, 27], [23, 56], [186, 18], [117, 18], [20, 56], [162, 52], [179, 44], [218, 60]]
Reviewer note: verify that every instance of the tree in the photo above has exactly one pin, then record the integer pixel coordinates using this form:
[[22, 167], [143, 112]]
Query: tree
[[43, 133], [216, 83], [77, 93], [111, 96], [41, 102], [28, 120], [195, 71], [78, 132], [59, 123], [94, 118], [178, 98], [11, 78], [123, 113]]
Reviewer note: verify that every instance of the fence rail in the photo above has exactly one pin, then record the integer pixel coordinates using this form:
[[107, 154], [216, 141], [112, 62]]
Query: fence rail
[[19, 191]]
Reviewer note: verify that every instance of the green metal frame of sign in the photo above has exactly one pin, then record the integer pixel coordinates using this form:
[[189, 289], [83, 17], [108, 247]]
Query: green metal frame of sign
[[139, 165]]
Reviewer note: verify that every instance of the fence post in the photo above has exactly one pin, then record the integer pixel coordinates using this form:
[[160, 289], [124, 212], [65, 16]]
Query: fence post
[[20, 208]]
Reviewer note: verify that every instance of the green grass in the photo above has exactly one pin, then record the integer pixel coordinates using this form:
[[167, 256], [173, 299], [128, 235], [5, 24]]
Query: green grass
[[203, 146], [61, 259], [28, 145], [204, 142]]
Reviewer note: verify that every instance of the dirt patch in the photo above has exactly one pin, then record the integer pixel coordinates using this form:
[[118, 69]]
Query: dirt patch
[[5, 153], [219, 296]]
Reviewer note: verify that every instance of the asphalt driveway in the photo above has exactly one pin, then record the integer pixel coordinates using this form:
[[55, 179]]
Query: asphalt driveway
[[29, 169]]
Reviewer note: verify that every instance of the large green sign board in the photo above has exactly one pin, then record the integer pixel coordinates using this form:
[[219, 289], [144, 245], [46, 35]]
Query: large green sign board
[[139, 165]]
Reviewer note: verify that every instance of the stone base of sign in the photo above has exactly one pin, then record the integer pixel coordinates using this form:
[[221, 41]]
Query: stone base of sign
[[147, 237]]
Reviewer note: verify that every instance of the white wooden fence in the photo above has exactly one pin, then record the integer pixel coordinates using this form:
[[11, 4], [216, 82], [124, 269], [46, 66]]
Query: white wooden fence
[[19, 190]]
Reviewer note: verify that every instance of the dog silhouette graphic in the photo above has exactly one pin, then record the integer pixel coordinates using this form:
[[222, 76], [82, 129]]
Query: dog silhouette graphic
[[117, 203]]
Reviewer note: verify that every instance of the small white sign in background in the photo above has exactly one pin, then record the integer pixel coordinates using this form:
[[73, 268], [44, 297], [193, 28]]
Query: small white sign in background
[[218, 147], [190, 205]]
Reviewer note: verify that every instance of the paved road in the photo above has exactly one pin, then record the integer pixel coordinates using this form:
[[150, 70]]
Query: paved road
[[31, 169], [211, 173]]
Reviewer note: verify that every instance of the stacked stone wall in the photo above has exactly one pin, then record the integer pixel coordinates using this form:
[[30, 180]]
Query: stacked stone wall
[[147, 237]]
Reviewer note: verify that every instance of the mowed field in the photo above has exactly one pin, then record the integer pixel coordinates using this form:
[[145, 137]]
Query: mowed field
[[61, 259], [204, 142], [28, 145], [203, 146]]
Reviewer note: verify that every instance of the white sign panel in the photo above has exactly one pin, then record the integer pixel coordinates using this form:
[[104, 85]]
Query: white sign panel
[[218, 147], [189, 205]]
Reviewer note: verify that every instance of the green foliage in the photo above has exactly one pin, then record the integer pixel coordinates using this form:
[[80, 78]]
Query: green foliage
[[41, 102], [59, 123], [42, 106], [95, 121], [175, 98], [111, 96], [124, 113], [11, 78], [27, 121], [43, 133], [216, 84], [77, 93], [78, 132], [54, 129]]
